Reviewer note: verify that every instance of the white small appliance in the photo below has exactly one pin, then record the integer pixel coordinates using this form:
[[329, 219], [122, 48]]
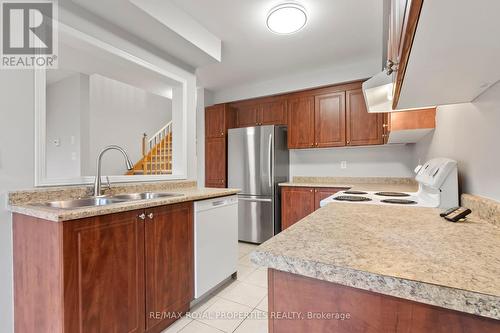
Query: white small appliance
[[215, 242], [437, 187]]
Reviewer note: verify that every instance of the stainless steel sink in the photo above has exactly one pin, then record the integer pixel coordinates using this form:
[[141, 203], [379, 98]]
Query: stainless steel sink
[[144, 196], [107, 200], [78, 203]]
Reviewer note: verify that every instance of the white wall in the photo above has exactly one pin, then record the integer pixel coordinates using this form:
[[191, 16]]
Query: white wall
[[63, 116], [109, 34], [16, 169], [300, 80], [119, 114], [376, 161], [470, 134], [203, 98]]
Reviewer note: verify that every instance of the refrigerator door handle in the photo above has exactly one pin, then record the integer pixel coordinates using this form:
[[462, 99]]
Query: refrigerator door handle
[[254, 199], [270, 149]]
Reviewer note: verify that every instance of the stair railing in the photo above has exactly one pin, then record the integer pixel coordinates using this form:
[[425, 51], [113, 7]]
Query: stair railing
[[160, 146]]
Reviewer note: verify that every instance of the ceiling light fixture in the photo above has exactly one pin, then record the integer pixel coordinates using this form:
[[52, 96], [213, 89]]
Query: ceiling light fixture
[[287, 18]]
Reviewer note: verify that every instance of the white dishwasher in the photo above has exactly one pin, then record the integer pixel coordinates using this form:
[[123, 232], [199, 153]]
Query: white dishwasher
[[215, 242]]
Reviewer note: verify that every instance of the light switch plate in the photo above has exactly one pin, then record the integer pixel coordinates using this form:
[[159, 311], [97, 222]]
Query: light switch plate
[[343, 164]]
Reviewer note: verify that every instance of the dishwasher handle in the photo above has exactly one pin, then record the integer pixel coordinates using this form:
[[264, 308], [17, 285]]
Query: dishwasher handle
[[215, 203]]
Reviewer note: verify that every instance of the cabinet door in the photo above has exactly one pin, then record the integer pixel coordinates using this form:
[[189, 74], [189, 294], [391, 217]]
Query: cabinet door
[[296, 203], [215, 162], [247, 115], [104, 274], [169, 262], [215, 121], [301, 122], [321, 193], [273, 113], [329, 117], [363, 128]]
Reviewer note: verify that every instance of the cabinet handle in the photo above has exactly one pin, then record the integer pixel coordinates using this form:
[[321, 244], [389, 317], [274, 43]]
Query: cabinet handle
[[312, 144], [150, 216], [142, 216], [310, 191], [348, 142], [221, 133], [385, 125]]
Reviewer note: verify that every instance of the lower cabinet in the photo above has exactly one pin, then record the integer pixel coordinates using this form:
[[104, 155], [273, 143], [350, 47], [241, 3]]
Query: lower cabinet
[[124, 272], [298, 202]]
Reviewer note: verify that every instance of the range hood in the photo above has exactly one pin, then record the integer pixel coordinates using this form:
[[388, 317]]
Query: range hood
[[378, 93]]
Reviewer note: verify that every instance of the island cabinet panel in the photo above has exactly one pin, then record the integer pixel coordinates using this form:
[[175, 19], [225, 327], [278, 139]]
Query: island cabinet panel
[[169, 262], [363, 128], [104, 274], [301, 122], [329, 119], [296, 203], [336, 308]]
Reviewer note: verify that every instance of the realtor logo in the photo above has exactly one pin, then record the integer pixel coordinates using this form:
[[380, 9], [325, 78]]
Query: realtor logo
[[28, 34]]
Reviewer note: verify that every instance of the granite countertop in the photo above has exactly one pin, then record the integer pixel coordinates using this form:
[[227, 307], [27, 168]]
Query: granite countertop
[[356, 183], [25, 202], [406, 252]]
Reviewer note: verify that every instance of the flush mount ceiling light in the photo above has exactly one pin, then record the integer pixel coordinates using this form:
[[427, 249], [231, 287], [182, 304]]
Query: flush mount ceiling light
[[287, 18]]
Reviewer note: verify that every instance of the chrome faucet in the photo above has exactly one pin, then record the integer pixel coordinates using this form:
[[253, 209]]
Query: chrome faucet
[[97, 183]]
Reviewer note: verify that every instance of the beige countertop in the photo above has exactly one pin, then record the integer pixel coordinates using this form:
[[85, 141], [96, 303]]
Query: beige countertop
[[356, 183], [406, 252], [25, 202]]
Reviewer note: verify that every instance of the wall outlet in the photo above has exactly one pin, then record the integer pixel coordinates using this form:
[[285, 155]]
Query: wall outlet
[[343, 164]]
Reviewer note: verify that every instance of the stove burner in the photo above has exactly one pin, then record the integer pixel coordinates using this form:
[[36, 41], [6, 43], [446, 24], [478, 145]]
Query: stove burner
[[351, 198], [392, 194], [354, 192], [399, 201]]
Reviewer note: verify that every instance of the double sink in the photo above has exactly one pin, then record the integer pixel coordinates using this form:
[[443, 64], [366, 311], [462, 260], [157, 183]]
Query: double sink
[[107, 200]]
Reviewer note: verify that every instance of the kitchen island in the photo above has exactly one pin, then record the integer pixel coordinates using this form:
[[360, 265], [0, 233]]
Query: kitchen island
[[370, 268]]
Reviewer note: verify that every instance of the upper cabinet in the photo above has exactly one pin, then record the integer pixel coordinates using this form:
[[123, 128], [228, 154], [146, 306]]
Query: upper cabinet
[[442, 52], [215, 121], [260, 112], [363, 128], [329, 120], [332, 117], [409, 126], [301, 122]]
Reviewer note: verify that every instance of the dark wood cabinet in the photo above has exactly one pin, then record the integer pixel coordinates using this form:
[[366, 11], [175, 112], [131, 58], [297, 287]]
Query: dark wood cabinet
[[329, 120], [296, 203], [363, 128], [104, 274], [301, 122], [259, 113], [247, 115], [273, 113], [109, 273], [215, 162], [169, 262], [321, 193], [218, 119], [215, 121]]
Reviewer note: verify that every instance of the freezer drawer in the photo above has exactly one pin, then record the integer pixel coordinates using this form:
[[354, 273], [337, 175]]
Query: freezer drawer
[[256, 218]]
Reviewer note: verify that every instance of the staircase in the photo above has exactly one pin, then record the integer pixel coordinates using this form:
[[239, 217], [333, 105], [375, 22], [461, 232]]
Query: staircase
[[157, 154]]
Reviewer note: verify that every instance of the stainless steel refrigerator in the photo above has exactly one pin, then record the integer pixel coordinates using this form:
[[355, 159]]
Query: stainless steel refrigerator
[[258, 160]]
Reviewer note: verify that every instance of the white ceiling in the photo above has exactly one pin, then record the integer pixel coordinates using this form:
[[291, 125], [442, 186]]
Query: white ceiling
[[339, 32]]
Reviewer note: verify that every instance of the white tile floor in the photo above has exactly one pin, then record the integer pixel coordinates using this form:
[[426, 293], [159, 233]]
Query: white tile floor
[[240, 306]]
